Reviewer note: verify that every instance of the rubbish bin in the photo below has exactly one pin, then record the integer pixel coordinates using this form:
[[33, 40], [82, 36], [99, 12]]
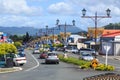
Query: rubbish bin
[[9, 62]]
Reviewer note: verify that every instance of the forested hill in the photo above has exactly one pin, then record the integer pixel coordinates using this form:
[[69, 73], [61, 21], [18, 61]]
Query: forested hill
[[112, 26]]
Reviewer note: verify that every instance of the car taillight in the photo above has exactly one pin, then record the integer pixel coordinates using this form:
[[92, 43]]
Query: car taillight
[[18, 60]]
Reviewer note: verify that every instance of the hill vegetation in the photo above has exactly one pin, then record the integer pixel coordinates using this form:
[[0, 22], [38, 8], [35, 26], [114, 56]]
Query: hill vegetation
[[112, 26]]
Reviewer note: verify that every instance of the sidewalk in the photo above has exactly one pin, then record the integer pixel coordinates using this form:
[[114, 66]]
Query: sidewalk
[[113, 57], [13, 69]]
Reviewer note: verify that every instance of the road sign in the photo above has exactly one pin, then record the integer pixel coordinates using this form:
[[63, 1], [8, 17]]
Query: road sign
[[94, 63], [107, 47]]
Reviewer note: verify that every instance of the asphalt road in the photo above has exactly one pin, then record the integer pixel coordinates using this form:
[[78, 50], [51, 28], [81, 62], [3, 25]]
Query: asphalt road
[[35, 69]]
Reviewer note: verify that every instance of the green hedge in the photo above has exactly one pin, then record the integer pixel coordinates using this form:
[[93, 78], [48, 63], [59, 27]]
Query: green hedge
[[82, 63]]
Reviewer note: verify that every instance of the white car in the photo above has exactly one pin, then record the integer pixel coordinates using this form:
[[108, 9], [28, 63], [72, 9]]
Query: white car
[[72, 50], [19, 59], [36, 51], [88, 50]]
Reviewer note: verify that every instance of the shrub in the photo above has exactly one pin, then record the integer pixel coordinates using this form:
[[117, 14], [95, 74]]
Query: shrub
[[103, 67], [58, 45], [86, 66], [18, 44]]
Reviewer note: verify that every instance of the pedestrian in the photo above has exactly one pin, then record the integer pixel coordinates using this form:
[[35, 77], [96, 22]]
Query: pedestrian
[[65, 55]]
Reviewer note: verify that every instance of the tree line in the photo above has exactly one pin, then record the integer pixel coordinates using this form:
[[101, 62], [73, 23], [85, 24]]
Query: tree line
[[112, 26]]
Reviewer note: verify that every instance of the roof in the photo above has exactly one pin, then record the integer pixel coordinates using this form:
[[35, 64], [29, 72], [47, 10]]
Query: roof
[[111, 33]]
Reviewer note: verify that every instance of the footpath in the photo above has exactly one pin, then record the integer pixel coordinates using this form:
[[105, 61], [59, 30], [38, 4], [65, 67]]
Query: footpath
[[113, 57], [12, 69]]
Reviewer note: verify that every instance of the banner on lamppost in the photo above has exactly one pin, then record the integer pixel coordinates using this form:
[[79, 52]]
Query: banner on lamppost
[[53, 37], [62, 34]]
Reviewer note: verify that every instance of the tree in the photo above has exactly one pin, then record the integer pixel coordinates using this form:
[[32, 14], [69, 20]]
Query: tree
[[112, 26], [6, 48], [26, 37], [16, 38], [17, 44], [2, 49]]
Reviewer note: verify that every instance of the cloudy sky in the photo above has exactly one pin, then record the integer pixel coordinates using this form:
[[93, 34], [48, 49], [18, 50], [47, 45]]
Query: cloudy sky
[[39, 13]]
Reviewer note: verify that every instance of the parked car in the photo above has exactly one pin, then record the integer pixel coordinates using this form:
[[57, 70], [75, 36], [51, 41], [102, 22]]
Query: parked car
[[36, 51], [52, 58], [72, 49], [2, 61], [43, 55], [19, 59], [59, 49], [86, 56], [88, 50]]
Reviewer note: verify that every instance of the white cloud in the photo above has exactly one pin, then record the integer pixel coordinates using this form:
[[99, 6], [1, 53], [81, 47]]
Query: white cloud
[[13, 20], [97, 5], [60, 8], [17, 7]]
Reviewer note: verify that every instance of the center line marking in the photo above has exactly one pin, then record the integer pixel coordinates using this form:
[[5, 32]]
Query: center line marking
[[34, 66]]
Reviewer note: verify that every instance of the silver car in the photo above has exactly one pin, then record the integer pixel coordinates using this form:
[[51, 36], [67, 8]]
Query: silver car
[[52, 58], [86, 56]]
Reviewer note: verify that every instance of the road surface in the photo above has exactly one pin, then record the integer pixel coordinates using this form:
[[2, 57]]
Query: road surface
[[35, 69]]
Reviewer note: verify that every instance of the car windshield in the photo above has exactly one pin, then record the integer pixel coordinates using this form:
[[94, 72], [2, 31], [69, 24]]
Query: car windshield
[[87, 49], [51, 54], [21, 55], [85, 54]]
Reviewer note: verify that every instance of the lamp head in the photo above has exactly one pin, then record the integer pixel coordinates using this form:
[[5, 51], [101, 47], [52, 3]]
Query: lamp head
[[83, 12]]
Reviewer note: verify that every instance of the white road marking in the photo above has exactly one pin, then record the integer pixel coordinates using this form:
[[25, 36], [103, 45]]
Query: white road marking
[[34, 66]]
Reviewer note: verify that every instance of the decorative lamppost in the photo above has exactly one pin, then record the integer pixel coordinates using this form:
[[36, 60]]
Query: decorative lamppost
[[65, 27], [96, 18], [46, 33]]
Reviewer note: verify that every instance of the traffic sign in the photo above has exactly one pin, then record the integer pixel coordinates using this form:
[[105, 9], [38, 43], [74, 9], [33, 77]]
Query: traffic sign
[[94, 63], [107, 47]]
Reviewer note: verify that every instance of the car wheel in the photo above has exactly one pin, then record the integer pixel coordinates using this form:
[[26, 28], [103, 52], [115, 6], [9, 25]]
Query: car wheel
[[46, 62], [21, 64], [73, 52], [14, 64], [57, 62]]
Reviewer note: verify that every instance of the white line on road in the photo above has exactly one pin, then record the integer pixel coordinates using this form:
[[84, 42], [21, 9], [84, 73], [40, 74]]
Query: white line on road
[[34, 66]]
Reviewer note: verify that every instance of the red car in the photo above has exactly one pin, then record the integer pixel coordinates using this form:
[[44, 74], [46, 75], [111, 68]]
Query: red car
[[43, 55]]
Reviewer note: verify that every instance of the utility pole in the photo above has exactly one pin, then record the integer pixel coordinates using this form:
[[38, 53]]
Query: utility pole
[[96, 18], [65, 29]]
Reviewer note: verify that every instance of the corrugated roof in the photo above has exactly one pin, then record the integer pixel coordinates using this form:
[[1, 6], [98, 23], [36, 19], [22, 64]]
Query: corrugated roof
[[110, 33]]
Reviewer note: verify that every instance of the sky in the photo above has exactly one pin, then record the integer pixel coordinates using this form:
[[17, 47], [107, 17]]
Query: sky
[[39, 13]]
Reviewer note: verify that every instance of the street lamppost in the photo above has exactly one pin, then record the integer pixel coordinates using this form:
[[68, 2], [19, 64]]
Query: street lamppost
[[96, 18], [65, 28], [46, 34]]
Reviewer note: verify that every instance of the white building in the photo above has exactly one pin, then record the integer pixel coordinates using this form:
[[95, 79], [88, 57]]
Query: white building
[[76, 40]]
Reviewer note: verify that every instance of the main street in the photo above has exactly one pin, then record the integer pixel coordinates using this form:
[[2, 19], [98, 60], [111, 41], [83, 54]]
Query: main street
[[35, 69]]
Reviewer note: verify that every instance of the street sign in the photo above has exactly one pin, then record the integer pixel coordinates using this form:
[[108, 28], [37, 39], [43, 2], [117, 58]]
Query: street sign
[[107, 47], [94, 63]]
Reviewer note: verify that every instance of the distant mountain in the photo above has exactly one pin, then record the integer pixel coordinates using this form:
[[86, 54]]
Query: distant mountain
[[18, 30], [33, 31], [72, 29]]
